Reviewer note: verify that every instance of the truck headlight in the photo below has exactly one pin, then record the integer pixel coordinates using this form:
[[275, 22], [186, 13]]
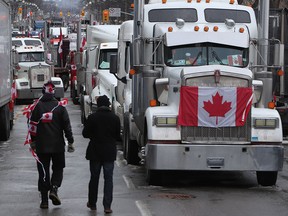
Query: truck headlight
[[266, 123], [23, 83], [165, 121]]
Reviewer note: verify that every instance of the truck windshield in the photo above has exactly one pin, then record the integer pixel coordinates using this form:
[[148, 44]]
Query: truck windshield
[[205, 54], [104, 58], [31, 57]]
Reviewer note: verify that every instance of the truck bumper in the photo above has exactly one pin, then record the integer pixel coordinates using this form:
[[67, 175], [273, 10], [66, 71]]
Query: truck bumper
[[216, 157], [36, 93]]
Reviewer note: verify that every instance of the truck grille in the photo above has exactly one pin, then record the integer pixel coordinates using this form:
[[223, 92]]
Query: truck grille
[[222, 134]]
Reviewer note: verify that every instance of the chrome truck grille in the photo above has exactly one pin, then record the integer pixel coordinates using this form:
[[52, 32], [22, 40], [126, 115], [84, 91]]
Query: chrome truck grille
[[221, 134], [39, 74]]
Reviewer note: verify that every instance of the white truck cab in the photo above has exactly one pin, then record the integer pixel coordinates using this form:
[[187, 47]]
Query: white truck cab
[[32, 71]]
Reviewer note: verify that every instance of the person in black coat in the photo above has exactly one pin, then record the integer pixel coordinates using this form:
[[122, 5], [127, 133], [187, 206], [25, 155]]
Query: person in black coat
[[103, 130], [51, 120]]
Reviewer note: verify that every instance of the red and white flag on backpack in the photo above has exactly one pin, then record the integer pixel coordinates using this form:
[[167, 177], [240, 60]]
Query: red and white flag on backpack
[[63, 102], [214, 107], [47, 117], [32, 128]]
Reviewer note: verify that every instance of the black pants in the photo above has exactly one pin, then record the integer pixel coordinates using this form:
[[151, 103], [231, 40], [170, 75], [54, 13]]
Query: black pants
[[95, 169], [58, 164]]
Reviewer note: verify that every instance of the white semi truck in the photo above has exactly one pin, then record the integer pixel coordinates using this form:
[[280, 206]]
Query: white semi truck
[[195, 102], [32, 71], [101, 44], [6, 80]]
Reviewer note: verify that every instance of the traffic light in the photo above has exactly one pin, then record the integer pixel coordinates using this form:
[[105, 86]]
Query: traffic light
[[82, 13], [20, 10], [61, 14], [105, 16]]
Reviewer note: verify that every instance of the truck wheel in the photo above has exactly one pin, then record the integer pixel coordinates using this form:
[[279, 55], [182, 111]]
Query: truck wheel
[[65, 80], [11, 119], [267, 178], [83, 117], [4, 123], [130, 147], [154, 177]]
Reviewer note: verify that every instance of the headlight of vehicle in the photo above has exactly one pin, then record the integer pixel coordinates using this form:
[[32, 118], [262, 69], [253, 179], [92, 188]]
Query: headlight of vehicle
[[165, 121], [266, 123]]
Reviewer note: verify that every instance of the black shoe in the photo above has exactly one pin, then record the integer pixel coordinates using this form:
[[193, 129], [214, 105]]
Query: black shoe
[[53, 195], [91, 207], [44, 200]]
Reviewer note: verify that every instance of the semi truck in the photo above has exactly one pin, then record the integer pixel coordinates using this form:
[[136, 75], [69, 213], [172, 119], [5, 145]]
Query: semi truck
[[195, 100], [6, 80], [101, 44], [32, 71]]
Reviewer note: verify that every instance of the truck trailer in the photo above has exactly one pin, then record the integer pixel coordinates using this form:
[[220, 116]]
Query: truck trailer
[[6, 79]]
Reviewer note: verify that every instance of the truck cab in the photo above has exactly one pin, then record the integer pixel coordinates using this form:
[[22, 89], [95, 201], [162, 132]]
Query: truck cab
[[32, 70]]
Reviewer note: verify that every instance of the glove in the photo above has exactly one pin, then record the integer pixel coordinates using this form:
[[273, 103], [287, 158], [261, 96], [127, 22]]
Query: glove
[[70, 148]]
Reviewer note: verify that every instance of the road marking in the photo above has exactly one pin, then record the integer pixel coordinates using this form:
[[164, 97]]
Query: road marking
[[143, 208], [128, 182]]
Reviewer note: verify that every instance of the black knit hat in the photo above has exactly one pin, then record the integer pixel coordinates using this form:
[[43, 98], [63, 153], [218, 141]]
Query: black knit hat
[[103, 101]]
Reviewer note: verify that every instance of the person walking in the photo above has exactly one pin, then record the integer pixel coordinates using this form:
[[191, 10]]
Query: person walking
[[50, 119], [103, 130]]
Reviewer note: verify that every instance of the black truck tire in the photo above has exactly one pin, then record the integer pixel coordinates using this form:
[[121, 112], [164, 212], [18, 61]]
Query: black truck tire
[[65, 80], [4, 123]]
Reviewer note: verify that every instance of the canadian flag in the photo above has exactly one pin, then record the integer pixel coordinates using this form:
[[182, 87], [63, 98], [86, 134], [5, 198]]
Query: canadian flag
[[83, 43], [32, 128], [214, 106], [235, 60], [28, 139], [13, 91], [63, 102], [47, 117], [60, 51]]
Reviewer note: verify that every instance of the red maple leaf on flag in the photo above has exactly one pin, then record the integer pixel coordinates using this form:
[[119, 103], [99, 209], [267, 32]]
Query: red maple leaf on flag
[[217, 108]]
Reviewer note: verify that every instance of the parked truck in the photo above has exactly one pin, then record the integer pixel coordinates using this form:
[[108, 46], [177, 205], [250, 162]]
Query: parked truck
[[101, 44], [195, 102], [6, 103], [32, 71]]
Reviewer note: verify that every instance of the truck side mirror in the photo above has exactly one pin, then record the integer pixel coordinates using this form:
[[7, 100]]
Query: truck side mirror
[[15, 59], [258, 89], [161, 89], [113, 64], [113, 68]]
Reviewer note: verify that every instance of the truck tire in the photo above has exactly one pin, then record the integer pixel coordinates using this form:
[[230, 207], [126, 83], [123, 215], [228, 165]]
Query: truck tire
[[154, 177], [267, 178], [130, 147], [75, 100], [83, 117], [65, 80], [4, 123]]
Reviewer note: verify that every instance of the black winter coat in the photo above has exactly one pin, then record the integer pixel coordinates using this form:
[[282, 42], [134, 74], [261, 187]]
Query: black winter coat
[[49, 137], [103, 130]]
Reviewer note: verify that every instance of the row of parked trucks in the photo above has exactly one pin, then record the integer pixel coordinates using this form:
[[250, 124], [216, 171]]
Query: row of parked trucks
[[190, 87]]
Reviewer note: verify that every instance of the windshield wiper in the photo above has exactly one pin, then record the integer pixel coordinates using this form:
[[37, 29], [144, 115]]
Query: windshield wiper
[[214, 55]]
